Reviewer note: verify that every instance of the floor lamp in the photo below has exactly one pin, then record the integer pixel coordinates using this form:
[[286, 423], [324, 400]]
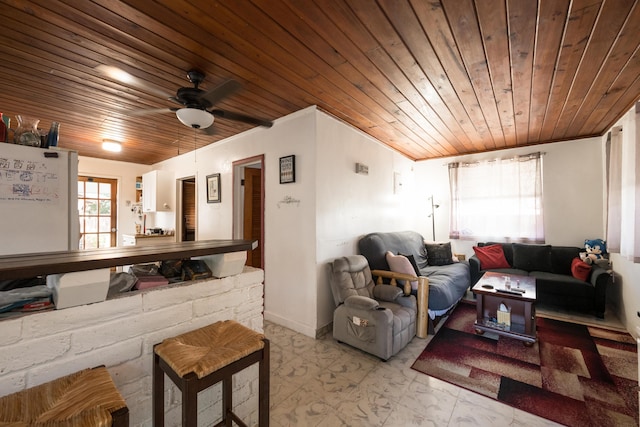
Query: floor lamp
[[433, 217]]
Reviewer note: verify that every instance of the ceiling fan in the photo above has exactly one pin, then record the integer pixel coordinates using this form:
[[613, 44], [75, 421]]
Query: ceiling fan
[[196, 104], [197, 112]]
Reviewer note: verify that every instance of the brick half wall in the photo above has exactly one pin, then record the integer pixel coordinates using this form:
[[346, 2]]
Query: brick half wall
[[120, 333]]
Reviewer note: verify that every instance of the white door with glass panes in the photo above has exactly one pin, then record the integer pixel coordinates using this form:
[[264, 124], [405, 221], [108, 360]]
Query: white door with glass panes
[[97, 211]]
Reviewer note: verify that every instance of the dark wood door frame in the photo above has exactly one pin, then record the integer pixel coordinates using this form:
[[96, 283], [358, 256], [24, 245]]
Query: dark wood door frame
[[247, 162]]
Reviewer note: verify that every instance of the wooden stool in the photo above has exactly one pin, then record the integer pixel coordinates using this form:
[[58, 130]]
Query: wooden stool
[[86, 398], [199, 359]]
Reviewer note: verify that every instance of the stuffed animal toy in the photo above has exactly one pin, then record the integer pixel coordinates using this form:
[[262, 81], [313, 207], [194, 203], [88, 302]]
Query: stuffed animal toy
[[596, 250]]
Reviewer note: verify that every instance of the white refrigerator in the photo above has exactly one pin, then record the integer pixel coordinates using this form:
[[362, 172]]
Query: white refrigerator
[[38, 200]]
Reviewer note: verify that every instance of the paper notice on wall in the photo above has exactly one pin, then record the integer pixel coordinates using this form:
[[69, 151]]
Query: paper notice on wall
[[23, 180]]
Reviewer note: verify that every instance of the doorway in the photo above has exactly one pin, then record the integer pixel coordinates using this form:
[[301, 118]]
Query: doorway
[[97, 208], [248, 206], [188, 210]]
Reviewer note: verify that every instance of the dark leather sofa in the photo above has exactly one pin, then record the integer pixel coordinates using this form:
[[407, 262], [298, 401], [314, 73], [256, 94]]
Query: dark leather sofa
[[551, 267]]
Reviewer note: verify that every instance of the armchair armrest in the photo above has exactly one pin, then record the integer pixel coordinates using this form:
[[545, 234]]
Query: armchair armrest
[[386, 292], [361, 302], [600, 279], [474, 268], [408, 301], [393, 294], [422, 297], [394, 277]]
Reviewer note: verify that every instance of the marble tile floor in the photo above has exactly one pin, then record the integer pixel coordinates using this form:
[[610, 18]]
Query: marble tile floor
[[319, 382]]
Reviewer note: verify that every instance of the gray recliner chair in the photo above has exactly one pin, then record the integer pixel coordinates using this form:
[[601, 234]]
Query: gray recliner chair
[[377, 319]]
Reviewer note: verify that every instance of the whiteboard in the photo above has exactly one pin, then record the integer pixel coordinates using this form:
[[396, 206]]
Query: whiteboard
[[38, 199]]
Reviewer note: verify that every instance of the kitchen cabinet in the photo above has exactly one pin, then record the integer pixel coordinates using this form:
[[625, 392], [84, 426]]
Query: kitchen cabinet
[[138, 189], [157, 191]]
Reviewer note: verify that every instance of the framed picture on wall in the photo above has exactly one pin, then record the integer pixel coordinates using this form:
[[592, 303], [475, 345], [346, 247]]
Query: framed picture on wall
[[287, 169], [213, 188]]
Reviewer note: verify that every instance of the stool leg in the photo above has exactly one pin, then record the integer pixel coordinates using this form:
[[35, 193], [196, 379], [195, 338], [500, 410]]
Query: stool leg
[[190, 400], [157, 400], [227, 400], [263, 386]]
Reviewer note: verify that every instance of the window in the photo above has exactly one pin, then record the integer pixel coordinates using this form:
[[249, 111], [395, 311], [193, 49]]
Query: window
[[497, 200], [623, 187], [97, 210]]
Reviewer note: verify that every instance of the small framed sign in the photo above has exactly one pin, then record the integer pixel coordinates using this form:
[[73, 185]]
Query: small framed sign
[[213, 188], [287, 169]]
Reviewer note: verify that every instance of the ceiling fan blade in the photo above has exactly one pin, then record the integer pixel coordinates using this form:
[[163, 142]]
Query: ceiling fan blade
[[174, 99], [220, 92], [211, 130], [241, 118]]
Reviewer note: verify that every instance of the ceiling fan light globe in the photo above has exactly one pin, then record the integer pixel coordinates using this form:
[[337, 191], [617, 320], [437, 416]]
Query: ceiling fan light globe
[[194, 118]]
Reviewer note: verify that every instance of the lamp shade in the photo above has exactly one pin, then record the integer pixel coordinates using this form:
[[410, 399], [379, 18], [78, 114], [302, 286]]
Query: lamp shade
[[195, 118]]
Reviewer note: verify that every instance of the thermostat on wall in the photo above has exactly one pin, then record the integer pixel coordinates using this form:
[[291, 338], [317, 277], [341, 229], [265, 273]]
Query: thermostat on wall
[[362, 169]]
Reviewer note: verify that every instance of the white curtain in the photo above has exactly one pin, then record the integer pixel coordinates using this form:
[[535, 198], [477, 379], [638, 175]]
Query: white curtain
[[623, 188], [614, 185], [497, 200]]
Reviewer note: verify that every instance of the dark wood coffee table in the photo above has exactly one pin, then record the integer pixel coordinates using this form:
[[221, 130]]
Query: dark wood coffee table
[[490, 296]]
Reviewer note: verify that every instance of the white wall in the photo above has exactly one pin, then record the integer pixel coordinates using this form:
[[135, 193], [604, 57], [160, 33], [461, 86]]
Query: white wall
[[572, 188], [350, 205], [126, 174], [289, 264]]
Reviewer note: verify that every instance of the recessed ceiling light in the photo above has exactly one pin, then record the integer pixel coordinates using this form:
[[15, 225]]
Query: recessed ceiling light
[[113, 146]]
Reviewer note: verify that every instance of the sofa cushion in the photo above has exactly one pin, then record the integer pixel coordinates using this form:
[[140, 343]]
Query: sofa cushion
[[532, 257], [447, 284], [562, 257], [400, 264], [491, 257], [507, 248], [439, 253], [580, 269], [561, 284]]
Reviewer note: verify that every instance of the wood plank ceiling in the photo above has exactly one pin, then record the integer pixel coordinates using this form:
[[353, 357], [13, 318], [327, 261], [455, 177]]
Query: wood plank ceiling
[[428, 78]]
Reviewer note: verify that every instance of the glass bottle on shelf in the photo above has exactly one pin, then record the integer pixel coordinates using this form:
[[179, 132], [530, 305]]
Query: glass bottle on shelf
[[52, 138], [4, 130], [27, 131]]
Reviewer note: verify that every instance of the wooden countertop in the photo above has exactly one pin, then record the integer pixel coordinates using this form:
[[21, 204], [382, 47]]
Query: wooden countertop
[[31, 265], [140, 236]]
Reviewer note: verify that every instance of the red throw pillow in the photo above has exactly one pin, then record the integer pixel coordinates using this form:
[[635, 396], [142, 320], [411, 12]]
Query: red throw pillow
[[491, 256], [580, 269]]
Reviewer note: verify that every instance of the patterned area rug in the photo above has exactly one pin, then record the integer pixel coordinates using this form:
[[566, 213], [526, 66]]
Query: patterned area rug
[[574, 375]]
